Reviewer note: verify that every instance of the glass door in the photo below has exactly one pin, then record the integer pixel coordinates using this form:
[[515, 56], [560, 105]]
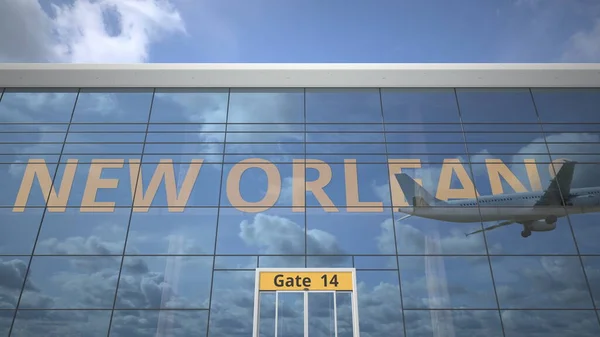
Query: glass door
[[304, 313]]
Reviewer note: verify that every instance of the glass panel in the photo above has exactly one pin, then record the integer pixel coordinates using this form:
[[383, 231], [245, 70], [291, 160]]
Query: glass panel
[[266, 321], [72, 232], [25, 184], [259, 186], [117, 106], [19, 230], [89, 323], [281, 261], [97, 187], [343, 106], [497, 106], [472, 323], [160, 231], [379, 309], [6, 317], [338, 233], [290, 314], [591, 265], [546, 282], [266, 106], [61, 282], [236, 262], [419, 106], [375, 262], [329, 261], [576, 105], [277, 231], [189, 106], [439, 282], [580, 323], [232, 304], [13, 270], [344, 314], [153, 282], [175, 186], [321, 314], [128, 323], [36, 106]]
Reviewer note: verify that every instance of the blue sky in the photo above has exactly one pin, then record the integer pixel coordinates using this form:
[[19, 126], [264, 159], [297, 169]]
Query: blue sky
[[301, 31]]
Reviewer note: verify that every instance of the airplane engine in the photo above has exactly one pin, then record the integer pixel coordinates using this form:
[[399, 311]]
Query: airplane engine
[[542, 226]]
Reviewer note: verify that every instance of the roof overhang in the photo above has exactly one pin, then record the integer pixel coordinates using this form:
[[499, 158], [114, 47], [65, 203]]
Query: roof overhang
[[304, 75]]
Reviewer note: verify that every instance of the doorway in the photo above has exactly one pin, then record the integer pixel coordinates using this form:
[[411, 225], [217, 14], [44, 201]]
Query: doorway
[[302, 302]]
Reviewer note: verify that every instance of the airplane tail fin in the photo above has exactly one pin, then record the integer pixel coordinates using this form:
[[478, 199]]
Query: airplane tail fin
[[415, 194]]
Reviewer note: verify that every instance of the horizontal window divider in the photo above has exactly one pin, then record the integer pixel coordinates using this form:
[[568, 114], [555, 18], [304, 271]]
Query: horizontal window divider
[[297, 255]]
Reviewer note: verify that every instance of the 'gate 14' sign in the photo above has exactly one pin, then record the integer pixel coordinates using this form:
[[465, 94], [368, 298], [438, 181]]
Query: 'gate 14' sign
[[306, 281]]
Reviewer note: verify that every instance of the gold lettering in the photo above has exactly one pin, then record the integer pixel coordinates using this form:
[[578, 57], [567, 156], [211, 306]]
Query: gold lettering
[[95, 182], [175, 202], [298, 181], [273, 185], [496, 169], [444, 192], [352, 196], [316, 186], [38, 168], [395, 166], [533, 174]]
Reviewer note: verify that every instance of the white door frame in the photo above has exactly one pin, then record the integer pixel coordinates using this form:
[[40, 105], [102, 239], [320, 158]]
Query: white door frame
[[256, 316]]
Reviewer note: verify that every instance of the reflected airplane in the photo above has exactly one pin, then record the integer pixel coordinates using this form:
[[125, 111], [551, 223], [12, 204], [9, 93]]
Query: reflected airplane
[[535, 211]]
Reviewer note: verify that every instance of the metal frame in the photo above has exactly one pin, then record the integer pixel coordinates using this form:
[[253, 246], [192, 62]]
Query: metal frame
[[301, 75], [355, 316]]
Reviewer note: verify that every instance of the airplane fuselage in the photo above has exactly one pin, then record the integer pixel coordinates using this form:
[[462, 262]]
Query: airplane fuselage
[[518, 207]]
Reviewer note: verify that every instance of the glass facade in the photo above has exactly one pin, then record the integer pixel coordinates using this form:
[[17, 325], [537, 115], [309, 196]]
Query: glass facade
[[146, 212]]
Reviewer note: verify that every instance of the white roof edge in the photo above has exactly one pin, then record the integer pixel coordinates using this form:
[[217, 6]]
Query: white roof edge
[[271, 75]]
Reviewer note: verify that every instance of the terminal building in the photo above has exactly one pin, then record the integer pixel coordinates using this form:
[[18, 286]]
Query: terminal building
[[289, 200]]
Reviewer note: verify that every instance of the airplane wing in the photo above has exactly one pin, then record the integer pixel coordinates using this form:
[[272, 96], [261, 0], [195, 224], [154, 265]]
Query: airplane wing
[[501, 224], [559, 186]]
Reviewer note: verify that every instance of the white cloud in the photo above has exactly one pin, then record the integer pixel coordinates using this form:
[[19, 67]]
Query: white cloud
[[87, 31], [584, 45]]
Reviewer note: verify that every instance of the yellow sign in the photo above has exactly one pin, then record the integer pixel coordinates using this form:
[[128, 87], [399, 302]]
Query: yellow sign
[[312, 281]]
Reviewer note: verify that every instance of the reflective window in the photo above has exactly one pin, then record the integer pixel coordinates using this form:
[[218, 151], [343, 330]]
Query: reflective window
[[343, 106], [160, 231], [419, 106], [114, 106], [189, 106], [567, 105], [277, 231], [178, 195], [517, 323], [331, 232], [37, 106], [379, 293], [155, 282], [127, 323], [476, 323], [92, 323], [497, 106], [6, 317], [19, 230], [440, 282], [61, 282], [266, 106], [72, 232], [13, 270], [232, 301], [546, 282]]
